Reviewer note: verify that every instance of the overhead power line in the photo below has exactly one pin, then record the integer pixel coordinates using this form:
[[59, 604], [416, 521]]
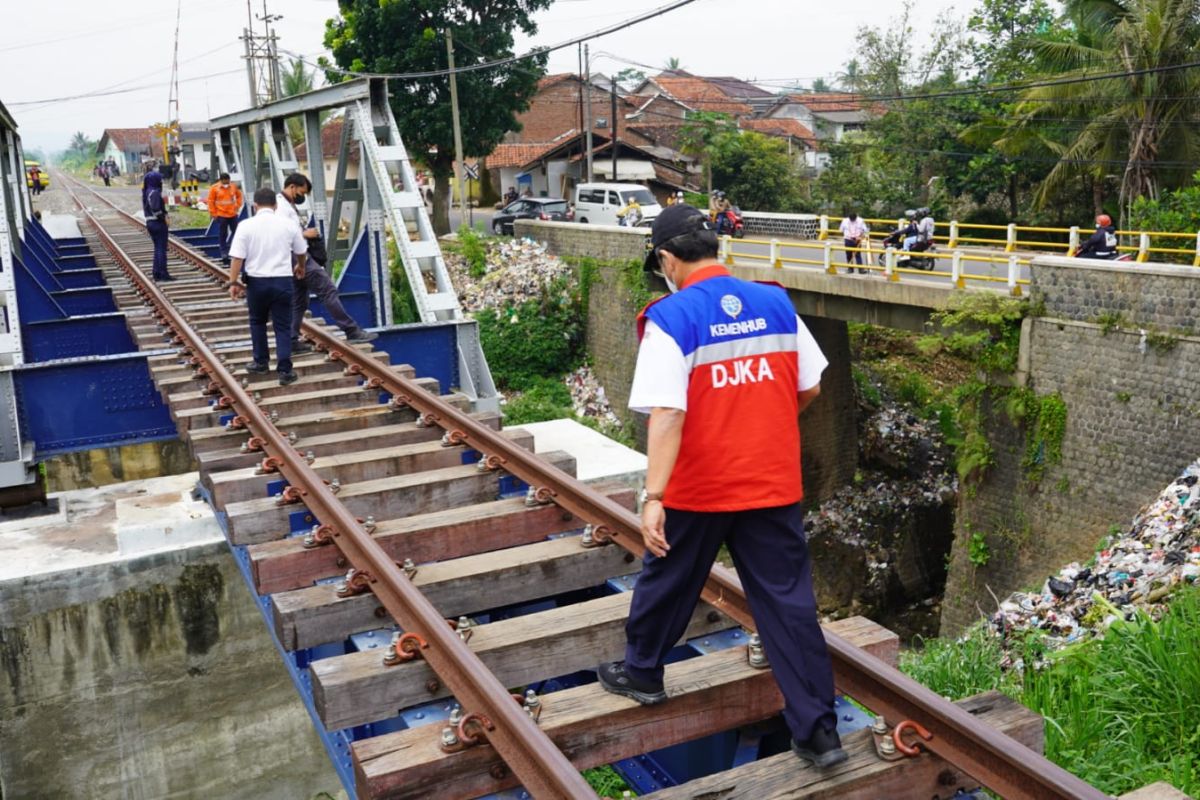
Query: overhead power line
[[500, 62]]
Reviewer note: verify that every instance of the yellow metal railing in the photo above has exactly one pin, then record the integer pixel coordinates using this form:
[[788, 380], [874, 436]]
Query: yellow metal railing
[[977, 234], [779, 256]]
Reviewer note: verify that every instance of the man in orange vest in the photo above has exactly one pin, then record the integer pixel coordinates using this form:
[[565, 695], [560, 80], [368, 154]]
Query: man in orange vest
[[224, 203]]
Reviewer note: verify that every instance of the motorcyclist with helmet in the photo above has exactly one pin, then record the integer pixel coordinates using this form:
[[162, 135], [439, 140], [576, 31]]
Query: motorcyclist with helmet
[[925, 228], [718, 206], [1103, 243]]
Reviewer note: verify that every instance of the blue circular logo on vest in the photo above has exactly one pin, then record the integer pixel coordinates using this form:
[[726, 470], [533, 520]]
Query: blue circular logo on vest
[[731, 305]]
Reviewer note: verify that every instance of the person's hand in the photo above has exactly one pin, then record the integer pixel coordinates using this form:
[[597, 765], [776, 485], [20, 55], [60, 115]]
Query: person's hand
[[311, 233], [236, 291], [653, 518], [298, 272]]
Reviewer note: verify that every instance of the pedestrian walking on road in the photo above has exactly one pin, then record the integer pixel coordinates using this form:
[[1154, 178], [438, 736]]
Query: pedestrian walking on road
[[716, 474], [225, 201], [157, 224], [35, 180], [854, 232], [272, 250], [316, 279], [105, 175]]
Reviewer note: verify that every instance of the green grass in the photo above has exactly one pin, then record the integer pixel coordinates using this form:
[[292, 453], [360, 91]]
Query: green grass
[[605, 781], [1121, 711]]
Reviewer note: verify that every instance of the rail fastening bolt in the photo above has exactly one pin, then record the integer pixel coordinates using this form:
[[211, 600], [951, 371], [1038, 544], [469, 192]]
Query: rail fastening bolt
[[449, 737], [880, 727]]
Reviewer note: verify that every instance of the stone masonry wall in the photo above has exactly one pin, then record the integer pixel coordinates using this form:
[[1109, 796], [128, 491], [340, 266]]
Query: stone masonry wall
[[601, 242], [1133, 422], [149, 679]]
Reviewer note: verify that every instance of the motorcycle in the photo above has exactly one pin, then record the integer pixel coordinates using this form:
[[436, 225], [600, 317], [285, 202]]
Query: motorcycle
[[733, 224], [908, 259], [1113, 257]]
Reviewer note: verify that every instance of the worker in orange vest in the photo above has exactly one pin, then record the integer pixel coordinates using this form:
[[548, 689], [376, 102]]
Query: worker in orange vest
[[225, 201]]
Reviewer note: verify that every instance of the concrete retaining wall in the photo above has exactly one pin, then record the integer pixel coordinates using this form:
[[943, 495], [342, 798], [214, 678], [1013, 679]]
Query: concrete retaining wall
[[791, 226], [149, 678]]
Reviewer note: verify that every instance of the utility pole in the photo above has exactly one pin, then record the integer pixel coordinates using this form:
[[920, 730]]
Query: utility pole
[[587, 109], [613, 144], [458, 148]]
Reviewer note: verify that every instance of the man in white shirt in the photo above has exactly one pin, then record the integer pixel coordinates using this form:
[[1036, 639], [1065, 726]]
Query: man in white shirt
[[316, 278], [854, 231], [272, 251]]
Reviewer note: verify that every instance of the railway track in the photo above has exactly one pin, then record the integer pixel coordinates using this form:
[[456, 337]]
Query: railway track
[[364, 501]]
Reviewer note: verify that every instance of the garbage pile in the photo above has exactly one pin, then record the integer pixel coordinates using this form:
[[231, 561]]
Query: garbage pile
[[517, 270], [880, 544], [588, 398], [1136, 570]]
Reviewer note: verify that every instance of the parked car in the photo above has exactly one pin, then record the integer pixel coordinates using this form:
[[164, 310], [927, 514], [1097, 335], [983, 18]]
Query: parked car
[[544, 208], [598, 203]]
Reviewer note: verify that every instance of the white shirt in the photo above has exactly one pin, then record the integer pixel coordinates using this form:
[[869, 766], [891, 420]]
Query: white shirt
[[285, 209], [925, 227], [855, 229], [266, 242], [660, 379]]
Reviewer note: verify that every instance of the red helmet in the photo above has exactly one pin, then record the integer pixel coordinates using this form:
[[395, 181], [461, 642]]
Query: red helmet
[[1103, 221]]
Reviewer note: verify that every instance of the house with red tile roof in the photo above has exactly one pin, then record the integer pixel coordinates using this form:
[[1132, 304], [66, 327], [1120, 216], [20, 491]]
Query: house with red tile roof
[[128, 147], [331, 140], [547, 153]]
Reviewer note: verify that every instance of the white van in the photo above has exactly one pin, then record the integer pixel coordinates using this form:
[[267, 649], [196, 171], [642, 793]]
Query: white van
[[598, 203]]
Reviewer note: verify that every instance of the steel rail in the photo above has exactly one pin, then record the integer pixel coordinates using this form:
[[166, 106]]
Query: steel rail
[[997, 761], [542, 768]]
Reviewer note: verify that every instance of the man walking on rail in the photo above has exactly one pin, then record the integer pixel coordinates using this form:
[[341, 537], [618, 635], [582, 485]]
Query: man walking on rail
[[273, 252], [724, 369], [316, 279], [224, 203]]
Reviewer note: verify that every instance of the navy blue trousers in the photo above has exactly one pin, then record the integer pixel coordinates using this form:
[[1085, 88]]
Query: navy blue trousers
[[771, 555], [226, 228], [158, 235], [270, 298], [317, 281]]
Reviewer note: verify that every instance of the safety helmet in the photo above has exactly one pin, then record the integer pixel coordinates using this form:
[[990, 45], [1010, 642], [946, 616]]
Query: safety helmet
[[679, 194], [1103, 221], [924, 212], [910, 214]]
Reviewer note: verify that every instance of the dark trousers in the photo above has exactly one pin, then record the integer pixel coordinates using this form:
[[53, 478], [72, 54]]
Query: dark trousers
[[226, 228], [771, 555], [270, 298], [158, 235], [317, 281], [852, 257]]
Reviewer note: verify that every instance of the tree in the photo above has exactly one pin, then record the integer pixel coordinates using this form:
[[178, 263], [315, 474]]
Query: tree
[[699, 135], [630, 77], [1005, 35], [81, 144], [408, 36], [821, 86], [672, 63], [1141, 125], [755, 171], [298, 79]]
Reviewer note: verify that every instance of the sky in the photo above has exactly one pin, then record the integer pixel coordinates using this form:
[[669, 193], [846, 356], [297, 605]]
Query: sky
[[51, 50]]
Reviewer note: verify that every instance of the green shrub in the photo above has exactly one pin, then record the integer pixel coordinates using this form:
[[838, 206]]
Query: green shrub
[[537, 339], [542, 399], [473, 251]]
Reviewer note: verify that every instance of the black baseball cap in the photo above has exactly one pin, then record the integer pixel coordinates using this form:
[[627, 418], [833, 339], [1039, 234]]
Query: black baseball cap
[[673, 221]]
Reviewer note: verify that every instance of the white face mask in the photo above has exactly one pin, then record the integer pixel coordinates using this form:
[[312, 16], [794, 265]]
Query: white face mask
[[671, 284]]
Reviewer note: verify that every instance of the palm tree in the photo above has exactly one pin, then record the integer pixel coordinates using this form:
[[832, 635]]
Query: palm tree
[[298, 79], [81, 144], [1145, 121], [672, 63]]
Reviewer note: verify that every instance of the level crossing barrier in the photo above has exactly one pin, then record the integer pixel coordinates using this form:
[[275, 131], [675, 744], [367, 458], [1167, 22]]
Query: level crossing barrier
[[1012, 237], [781, 254]]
